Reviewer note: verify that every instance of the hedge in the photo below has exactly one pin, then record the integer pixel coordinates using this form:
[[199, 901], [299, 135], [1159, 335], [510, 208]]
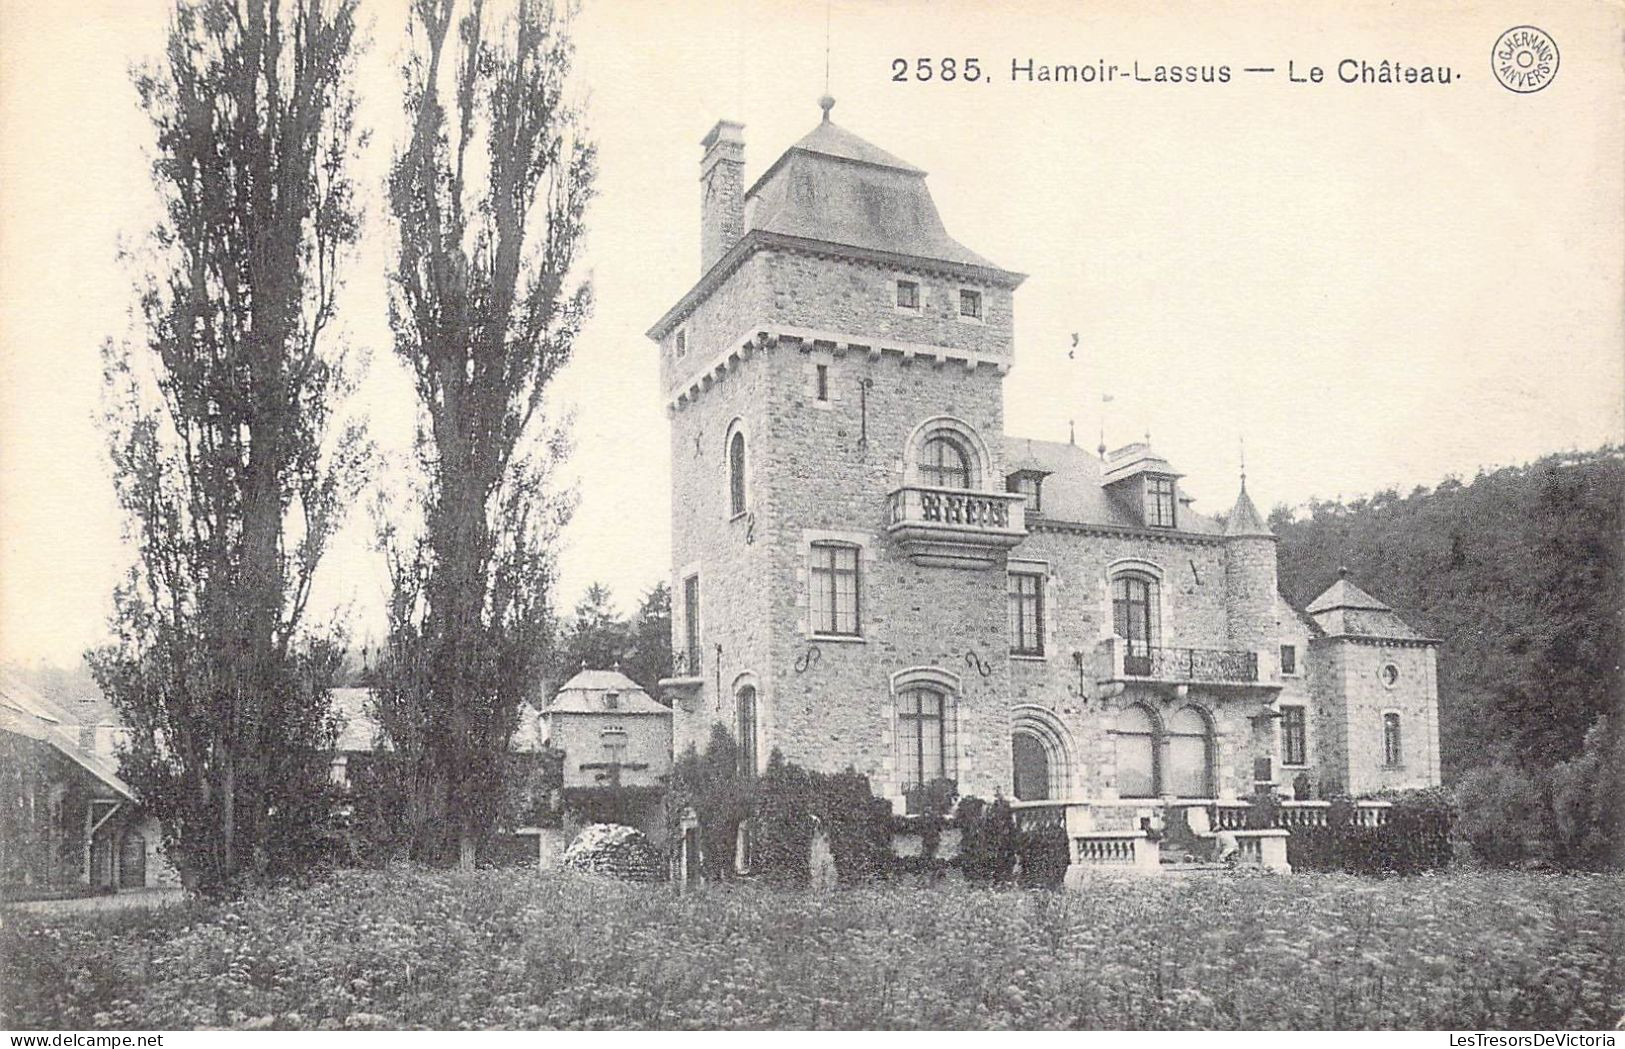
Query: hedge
[[1415, 838]]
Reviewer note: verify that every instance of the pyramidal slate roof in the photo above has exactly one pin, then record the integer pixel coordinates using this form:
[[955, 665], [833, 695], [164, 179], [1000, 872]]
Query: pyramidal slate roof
[[588, 692], [833, 186], [1343, 609], [833, 140], [1244, 519]]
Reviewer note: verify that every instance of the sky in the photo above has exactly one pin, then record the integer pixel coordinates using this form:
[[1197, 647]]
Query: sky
[[1371, 285]]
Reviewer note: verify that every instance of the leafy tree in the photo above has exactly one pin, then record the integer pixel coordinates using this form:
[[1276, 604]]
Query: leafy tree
[[1519, 573], [596, 637], [650, 657], [1587, 796], [484, 313], [225, 456]]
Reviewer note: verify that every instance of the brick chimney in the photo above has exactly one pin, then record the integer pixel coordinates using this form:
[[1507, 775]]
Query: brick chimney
[[722, 192]]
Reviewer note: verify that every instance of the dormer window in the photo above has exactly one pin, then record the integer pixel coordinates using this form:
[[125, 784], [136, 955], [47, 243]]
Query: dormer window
[[1159, 502], [908, 295], [1029, 483], [970, 304]]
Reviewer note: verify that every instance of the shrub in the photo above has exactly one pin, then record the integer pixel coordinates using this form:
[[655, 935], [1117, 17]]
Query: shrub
[[1587, 795], [858, 823], [1263, 810], [1502, 816], [987, 839], [791, 803], [1415, 838], [1045, 855], [720, 796], [783, 824]]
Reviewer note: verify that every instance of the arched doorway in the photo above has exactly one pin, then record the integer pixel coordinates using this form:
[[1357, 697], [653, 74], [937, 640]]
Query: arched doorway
[[1030, 760], [1041, 754]]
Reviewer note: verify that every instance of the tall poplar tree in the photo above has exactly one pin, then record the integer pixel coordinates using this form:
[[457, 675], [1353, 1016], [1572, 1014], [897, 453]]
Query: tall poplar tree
[[489, 195], [221, 421]]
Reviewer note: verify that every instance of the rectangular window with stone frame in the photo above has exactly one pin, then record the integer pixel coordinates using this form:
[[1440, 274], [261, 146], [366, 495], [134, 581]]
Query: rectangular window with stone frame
[[1026, 602], [908, 295], [1393, 751], [1294, 736], [970, 303], [833, 590]]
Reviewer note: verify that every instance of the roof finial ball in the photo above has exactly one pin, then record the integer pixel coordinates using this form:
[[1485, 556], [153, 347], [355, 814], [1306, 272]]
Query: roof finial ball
[[1343, 572], [826, 103]]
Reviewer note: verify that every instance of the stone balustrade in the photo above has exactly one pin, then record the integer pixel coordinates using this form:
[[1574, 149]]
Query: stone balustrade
[[1232, 815], [955, 527]]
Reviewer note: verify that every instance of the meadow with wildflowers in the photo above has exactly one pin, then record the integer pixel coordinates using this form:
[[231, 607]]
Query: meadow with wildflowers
[[410, 947]]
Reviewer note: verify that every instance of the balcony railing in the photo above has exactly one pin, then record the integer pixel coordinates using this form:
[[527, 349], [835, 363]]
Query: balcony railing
[[955, 527], [1202, 665], [957, 508]]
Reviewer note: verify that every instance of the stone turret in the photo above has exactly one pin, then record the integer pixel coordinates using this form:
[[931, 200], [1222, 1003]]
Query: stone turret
[[722, 185], [1249, 575]]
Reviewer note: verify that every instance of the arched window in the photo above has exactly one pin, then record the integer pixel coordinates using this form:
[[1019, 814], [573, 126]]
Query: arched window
[[736, 474], [1137, 616], [745, 702], [1190, 754], [926, 745], [1137, 766], [944, 464]]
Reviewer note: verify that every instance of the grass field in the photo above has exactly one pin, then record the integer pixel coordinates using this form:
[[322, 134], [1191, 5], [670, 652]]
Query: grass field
[[415, 948]]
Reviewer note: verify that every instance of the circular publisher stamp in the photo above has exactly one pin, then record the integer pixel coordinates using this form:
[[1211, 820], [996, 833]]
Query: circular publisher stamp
[[1524, 59]]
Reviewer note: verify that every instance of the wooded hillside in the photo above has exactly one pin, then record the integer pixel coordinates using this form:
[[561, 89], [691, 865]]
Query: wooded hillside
[[1517, 572]]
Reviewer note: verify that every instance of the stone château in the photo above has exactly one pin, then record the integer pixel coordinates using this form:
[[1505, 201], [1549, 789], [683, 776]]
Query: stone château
[[869, 571]]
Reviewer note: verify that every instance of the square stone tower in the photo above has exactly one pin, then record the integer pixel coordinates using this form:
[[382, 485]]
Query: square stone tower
[[840, 523], [1375, 681]]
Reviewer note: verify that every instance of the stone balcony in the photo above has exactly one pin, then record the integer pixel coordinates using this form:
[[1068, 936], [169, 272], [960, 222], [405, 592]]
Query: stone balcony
[[955, 528], [1120, 662]]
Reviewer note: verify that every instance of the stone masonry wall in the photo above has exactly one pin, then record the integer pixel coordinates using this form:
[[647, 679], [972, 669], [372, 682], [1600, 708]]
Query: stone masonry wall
[[1250, 591], [1296, 691], [1078, 615], [839, 710], [732, 560], [581, 737], [838, 296], [1368, 698]]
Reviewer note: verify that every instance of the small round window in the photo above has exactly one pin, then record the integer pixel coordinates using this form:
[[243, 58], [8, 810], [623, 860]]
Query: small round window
[[1389, 674]]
